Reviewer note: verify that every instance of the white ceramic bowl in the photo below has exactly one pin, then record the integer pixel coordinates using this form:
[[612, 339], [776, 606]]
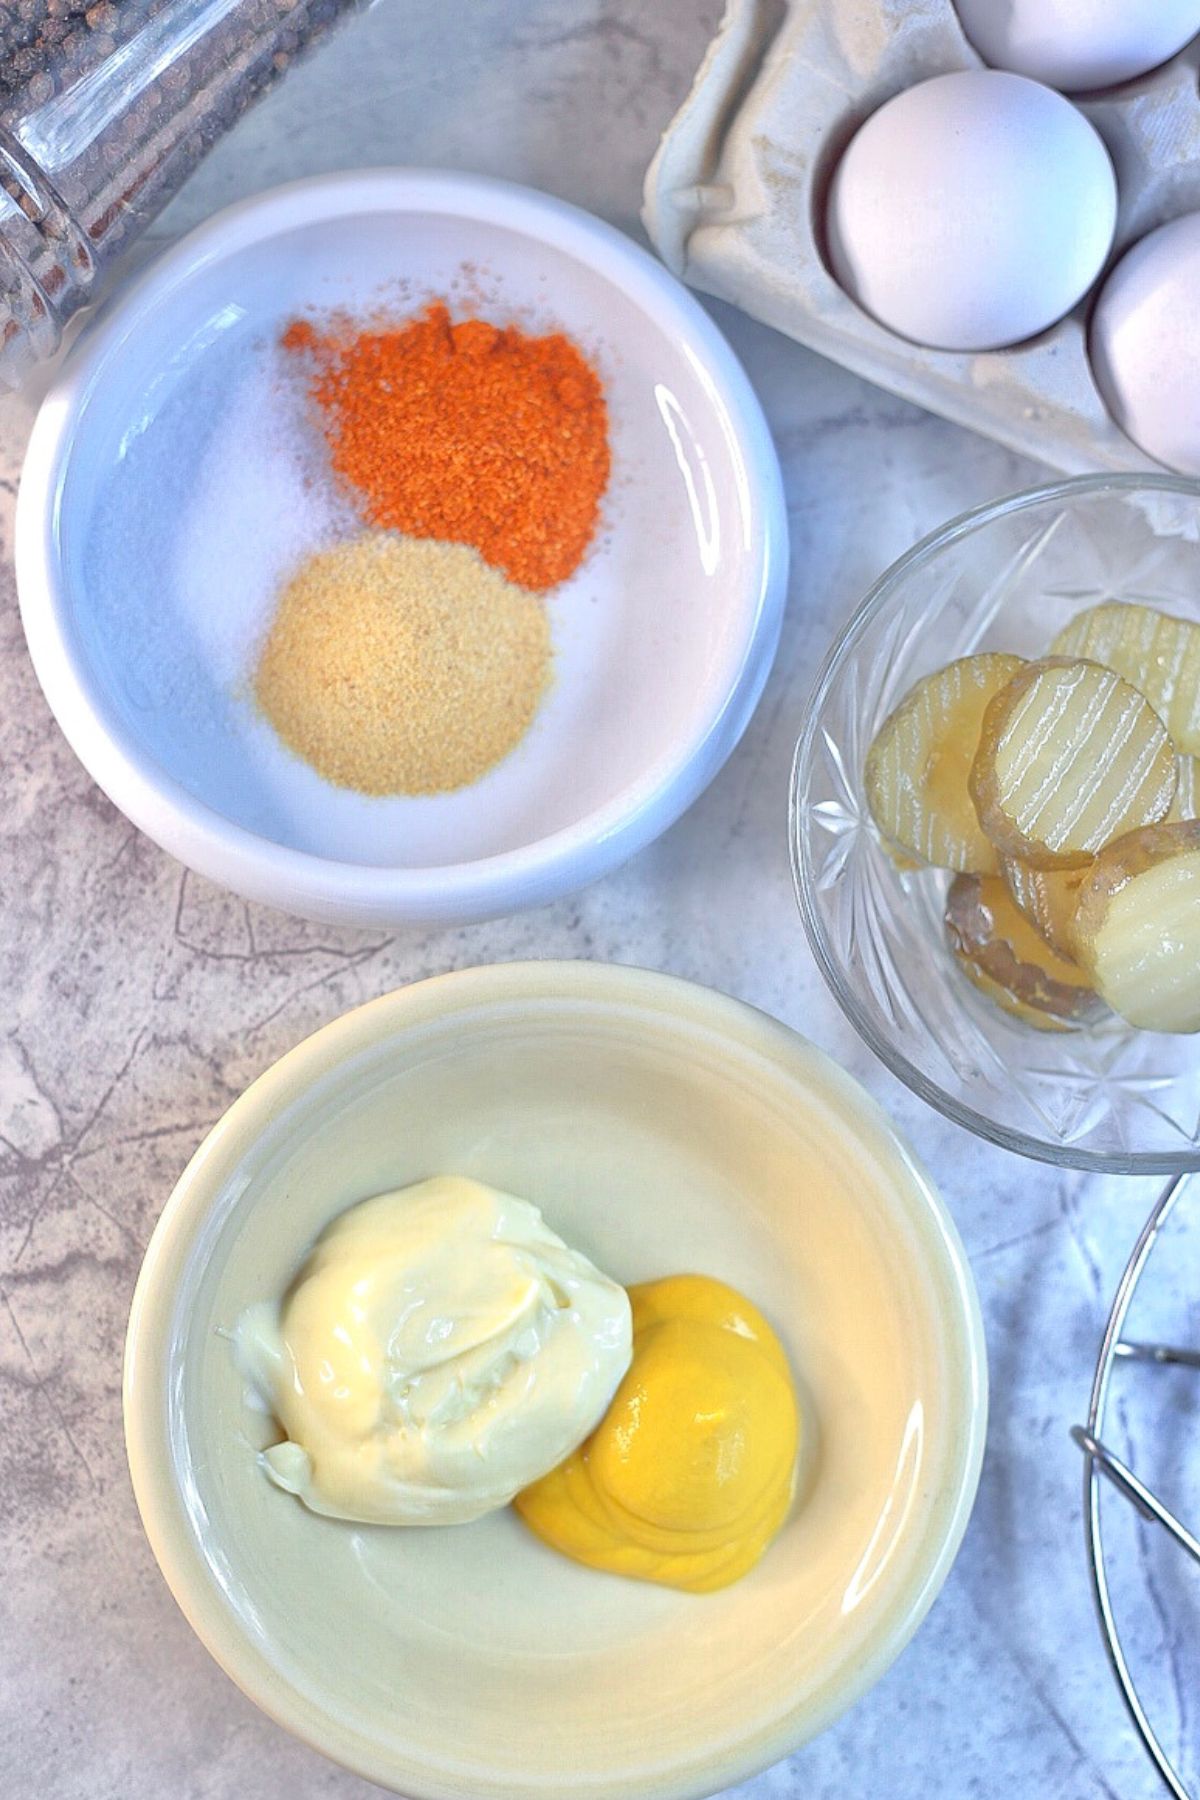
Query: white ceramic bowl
[[661, 1128], [162, 501]]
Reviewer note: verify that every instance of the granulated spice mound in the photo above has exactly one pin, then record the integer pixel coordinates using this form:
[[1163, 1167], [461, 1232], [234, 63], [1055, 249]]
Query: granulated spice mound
[[468, 432], [402, 667]]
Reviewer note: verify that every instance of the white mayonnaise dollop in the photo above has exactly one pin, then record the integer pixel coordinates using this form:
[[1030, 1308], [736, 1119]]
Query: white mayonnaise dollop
[[440, 1349]]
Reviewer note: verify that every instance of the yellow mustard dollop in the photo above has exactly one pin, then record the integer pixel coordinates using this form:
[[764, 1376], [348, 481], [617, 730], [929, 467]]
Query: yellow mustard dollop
[[690, 1473]]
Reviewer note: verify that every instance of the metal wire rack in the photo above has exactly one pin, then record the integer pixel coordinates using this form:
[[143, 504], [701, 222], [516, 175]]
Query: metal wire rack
[[1102, 1464]]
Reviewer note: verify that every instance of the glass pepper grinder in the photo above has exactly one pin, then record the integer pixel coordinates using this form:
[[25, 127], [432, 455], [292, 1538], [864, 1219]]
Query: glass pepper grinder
[[106, 107]]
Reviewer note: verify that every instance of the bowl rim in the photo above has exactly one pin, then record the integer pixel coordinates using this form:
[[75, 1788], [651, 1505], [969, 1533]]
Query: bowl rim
[[256, 866], [1134, 1162], [147, 1380]]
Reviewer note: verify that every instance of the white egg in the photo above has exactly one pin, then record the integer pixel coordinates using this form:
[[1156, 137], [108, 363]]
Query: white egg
[[1144, 338], [1079, 44], [972, 211]]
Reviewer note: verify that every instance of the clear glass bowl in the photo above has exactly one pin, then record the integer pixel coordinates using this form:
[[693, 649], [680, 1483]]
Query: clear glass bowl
[[1004, 577]]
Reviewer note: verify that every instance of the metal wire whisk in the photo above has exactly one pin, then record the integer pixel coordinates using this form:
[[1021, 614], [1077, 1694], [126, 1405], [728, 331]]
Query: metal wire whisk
[[1101, 1461]]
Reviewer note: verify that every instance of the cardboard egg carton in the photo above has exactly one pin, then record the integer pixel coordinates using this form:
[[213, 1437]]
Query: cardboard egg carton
[[735, 199]]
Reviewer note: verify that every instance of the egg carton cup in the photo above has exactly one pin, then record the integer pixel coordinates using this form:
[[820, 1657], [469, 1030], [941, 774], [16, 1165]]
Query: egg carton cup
[[735, 200]]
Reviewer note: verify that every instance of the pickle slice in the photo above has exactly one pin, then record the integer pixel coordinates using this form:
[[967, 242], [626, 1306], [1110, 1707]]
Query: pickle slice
[[917, 768], [899, 859], [998, 948], [1186, 804], [1017, 1009], [1138, 926], [1070, 757], [1154, 651], [1048, 898]]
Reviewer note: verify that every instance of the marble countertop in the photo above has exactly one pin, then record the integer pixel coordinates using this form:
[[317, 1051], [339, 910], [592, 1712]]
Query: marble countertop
[[139, 1000]]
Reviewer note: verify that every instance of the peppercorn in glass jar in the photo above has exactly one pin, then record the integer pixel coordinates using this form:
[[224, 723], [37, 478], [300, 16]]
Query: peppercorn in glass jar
[[105, 109]]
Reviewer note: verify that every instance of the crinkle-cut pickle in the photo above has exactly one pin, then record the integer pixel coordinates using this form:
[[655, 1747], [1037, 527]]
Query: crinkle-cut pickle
[[1000, 950], [1137, 930], [899, 859], [1155, 652], [1048, 898], [1186, 804], [999, 995], [917, 767], [1070, 756]]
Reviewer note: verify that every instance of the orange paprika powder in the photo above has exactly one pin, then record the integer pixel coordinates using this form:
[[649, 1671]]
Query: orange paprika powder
[[470, 432]]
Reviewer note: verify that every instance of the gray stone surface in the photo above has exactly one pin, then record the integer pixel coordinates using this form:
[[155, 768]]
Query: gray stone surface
[[138, 1000]]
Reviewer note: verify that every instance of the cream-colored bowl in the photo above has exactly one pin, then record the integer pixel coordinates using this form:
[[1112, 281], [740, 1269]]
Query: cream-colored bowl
[[661, 1128]]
